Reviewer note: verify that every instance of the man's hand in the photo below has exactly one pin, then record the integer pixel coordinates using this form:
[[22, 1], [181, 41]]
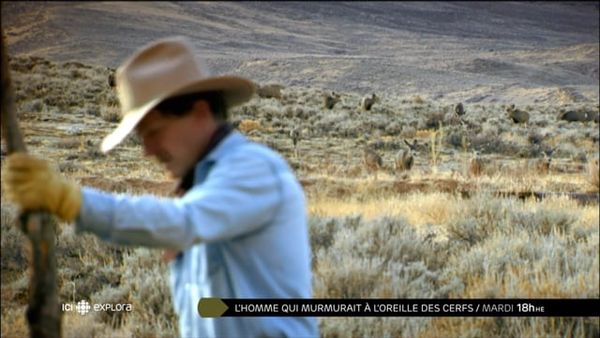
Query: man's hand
[[33, 184]]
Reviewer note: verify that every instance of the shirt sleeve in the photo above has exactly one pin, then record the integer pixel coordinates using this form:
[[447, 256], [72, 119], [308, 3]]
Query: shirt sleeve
[[240, 195]]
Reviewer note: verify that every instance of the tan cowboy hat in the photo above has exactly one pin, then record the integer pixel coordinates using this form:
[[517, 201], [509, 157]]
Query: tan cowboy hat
[[163, 69]]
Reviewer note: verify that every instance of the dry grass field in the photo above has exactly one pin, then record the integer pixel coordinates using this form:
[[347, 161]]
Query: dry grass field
[[487, 208], [437, 230]]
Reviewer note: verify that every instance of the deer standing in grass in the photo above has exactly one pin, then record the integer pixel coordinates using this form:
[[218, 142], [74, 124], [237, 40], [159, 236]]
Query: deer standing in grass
[[517, 115], [330, 99], [367, 102], [459, 109], [476, 165], [295, 136], [543, 164], [405, 157], [372, 160]]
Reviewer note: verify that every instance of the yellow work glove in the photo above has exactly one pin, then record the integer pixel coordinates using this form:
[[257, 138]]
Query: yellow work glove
[[33, 184]]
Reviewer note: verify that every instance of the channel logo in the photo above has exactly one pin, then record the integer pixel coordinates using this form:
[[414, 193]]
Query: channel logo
[[83, 307]]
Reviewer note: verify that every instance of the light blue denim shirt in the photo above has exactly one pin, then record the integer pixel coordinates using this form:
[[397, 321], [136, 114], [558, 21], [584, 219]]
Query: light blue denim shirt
[[242, 229]]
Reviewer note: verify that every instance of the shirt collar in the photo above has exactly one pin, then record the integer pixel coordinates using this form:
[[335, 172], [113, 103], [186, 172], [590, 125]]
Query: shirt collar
[[223, 140], [229, 142]]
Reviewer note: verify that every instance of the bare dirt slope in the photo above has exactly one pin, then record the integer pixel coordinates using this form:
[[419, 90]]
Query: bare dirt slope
[[523, 52]]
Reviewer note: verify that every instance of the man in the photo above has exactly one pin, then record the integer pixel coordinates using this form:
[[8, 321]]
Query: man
[[239, 228]]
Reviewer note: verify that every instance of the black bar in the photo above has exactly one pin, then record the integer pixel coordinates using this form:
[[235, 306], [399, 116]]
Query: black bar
[[412, 307]]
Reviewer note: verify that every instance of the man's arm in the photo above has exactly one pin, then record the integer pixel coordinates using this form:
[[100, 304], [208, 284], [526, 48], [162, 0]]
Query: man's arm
[[241, 194]]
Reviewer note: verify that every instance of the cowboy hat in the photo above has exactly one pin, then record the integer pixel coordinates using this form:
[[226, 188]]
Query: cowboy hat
[[164, 69]]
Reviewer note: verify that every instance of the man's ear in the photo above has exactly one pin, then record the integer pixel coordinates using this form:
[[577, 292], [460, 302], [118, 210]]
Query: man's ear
[[201, 109]]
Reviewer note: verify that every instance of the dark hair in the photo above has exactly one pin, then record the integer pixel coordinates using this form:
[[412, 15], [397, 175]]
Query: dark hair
[[182, 104]]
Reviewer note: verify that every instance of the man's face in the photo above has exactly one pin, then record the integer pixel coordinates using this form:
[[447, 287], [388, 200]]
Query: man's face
[[176, 142]]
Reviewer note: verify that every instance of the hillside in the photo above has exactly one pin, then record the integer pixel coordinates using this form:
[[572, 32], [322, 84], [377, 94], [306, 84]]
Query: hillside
[[525, 52]]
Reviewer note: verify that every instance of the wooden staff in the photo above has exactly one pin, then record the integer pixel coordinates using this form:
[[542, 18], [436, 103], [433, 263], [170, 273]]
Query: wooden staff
[[43, 313]]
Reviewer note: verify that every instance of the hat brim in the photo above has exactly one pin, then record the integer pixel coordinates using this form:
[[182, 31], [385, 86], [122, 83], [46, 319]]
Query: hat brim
[[236, 90]]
